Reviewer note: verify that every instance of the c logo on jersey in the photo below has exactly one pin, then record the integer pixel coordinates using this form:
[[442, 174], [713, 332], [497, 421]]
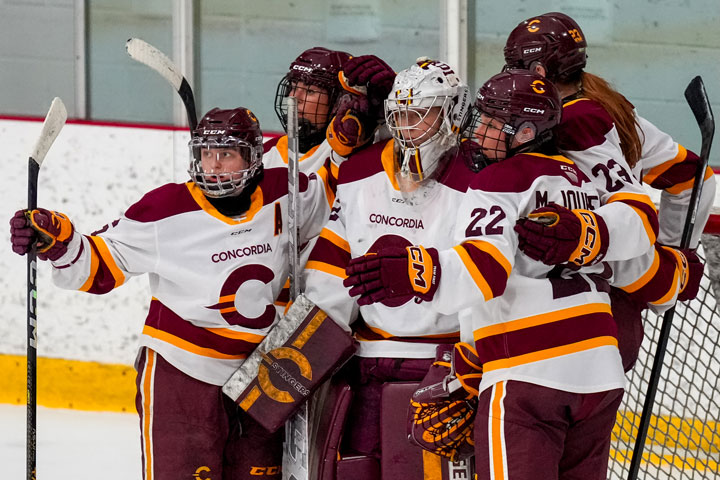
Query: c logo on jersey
[[202, 473], [232, 286], [532, 26], [538, 86]]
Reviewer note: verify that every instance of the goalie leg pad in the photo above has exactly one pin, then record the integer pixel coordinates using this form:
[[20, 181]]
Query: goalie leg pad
[[289, 374]]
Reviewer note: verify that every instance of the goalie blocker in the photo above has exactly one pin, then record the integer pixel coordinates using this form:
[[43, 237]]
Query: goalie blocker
[[302, 351]]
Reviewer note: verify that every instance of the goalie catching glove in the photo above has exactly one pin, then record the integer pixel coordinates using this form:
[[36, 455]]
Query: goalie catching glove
[[555, 234], [50, 231], [394, 272], [442, 410]]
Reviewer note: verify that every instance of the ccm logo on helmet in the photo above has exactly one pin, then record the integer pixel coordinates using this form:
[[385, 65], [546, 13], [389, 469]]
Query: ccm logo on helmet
[[538, 86], [532, 28], [533, 110], [532, 50], [213, 132], [302, 68]]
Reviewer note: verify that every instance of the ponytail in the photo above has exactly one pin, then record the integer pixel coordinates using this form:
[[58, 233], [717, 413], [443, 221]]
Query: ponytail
[[621, 111]]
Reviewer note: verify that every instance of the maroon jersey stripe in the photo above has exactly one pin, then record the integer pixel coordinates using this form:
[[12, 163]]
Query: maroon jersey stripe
[[364, 332], [267, 146], [517, 174], [584, 124], [162, 318], [542, 337], [365, 163], [163, 202], [662, 282]]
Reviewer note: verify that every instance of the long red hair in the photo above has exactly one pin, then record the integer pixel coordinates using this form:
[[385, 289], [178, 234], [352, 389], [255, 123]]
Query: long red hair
[[620, 110]]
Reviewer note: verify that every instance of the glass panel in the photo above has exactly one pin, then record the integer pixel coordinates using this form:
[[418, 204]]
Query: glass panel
[[247, 46], [120, 88], [648, 50]]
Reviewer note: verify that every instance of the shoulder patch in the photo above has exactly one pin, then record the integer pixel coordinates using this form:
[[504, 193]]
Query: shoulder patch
[[584, 124], [163, 202]]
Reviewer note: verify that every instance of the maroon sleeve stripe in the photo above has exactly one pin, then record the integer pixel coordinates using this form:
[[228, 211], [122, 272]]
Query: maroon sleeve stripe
[[662, 284], [365, 333], [325, 251], [486, 265], [644, 207], [102, 275]]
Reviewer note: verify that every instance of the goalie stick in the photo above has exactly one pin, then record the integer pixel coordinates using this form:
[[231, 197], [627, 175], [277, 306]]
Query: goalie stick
[[697, 100], [145, 53], [54, 121]]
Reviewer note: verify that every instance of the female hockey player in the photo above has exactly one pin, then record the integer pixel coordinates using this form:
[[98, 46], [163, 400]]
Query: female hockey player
[[616, 147], [391, 195], [552, 374], [214, 249]]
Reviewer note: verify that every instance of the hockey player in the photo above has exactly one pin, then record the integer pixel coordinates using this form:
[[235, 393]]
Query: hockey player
[[215, 252], [546, 338], [391, 195], [599, 124], [344, 112]]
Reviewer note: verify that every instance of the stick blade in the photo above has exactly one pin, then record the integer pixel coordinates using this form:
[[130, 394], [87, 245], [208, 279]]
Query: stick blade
[[697, 99], [54, 121], [141, 51]]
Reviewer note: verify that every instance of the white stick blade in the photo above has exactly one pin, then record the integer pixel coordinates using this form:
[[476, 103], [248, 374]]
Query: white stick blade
[[145, 53], [54, 121]]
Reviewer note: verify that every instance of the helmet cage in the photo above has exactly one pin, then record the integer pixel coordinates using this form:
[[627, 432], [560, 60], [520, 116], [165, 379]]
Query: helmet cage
[[223, 183], [416, 91]]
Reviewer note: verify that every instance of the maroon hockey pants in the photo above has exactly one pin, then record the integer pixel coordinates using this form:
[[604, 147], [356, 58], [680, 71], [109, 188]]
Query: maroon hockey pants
[[528, 432], [191, 430]]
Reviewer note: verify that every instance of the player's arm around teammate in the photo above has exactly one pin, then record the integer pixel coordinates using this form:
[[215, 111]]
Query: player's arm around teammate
[[214, 249], [545, 335]]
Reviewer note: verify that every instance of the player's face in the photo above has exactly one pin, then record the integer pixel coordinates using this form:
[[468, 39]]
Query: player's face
[[491, 138], [417, 125], [221, 161], [313, 102]]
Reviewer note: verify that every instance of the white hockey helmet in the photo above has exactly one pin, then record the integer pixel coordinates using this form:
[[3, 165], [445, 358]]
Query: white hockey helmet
[[425, 112]]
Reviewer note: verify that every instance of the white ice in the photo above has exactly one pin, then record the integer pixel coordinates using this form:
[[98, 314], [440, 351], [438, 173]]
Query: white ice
[[71, 445]]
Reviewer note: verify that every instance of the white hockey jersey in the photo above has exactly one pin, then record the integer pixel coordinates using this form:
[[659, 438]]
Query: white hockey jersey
[[550, 326], [371, 212], [213, 279]]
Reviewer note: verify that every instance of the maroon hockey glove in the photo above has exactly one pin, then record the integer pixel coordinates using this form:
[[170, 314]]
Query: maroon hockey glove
[[441, 415], [691, 283], [394, 272], [352, 126], [51, 231], [368, 71], [555, 234]]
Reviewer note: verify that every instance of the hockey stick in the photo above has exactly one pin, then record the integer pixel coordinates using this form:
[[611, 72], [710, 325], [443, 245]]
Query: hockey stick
[[295, 448], [697, 99], [145, 53], [54, 121]]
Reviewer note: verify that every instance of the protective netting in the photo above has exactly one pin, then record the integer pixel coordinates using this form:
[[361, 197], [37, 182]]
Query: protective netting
[[683, 440]]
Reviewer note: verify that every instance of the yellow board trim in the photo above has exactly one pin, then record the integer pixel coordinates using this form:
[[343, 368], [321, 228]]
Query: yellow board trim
[[75, 384]]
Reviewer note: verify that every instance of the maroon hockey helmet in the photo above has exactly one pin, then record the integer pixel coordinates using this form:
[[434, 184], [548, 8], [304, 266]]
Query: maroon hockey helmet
[[226, 133], [513, 102], [553, 40], [315, 67]]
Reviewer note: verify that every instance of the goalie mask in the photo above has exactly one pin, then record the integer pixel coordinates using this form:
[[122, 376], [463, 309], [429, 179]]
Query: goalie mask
[[313, 80], [226, 152], [425, 112], [552, 40], [514, 112]]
